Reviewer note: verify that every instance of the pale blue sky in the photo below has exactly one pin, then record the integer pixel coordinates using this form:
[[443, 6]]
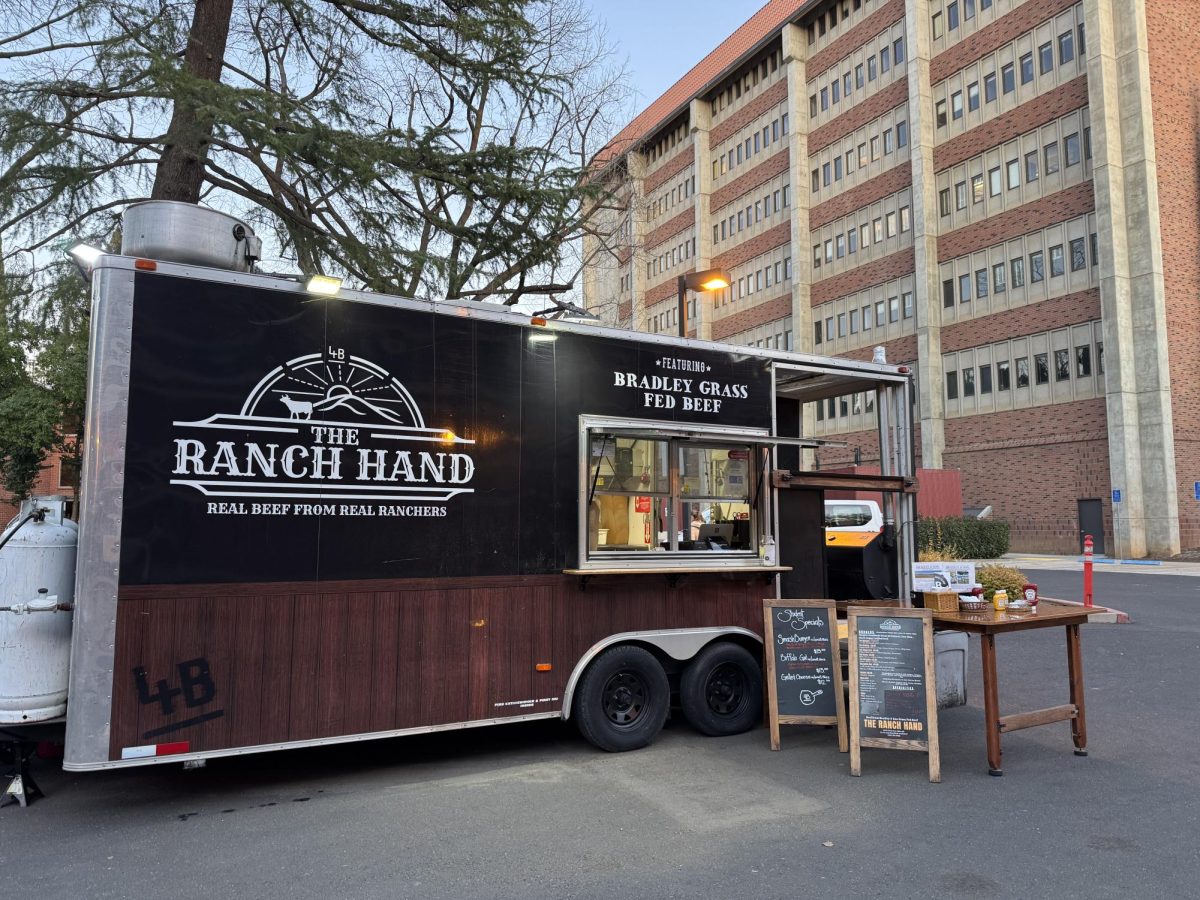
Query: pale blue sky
[[664, 38]]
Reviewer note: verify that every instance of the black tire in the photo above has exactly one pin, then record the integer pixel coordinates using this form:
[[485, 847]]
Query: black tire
[[622, 699], [721, 690]]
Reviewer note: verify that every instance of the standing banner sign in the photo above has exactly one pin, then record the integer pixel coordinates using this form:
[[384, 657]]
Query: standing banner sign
[[804, 666], [893, 695]]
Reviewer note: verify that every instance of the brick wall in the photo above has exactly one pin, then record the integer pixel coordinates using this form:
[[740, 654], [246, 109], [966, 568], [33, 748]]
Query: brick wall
[[1049, 106], [883, 185], [671, 227], [745, 319], [47, 483], [757, 245], [1069, 203], [669, 169], [764, 171], [772, 96], [876, 272], [1032, 466], [853, 119], [1003, 31], [1058, 312], [1175, 95], [883, 18]]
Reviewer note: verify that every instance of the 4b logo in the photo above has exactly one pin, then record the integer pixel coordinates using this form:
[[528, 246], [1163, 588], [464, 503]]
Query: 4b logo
[[196, 686]]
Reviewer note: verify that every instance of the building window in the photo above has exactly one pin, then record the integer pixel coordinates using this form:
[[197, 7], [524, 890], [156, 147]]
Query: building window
[[829, 328], [824, 99], [1099, 357], [852, 240], [1066, 48], [837, 168], [981, 283], [847, 85], [866, 317], [906, 304], [1018, 272], [1014, 174], [956, 105], [890, 219], [836, 91], [941, 113], [994, 182], [905, 219], [1023, 372], [893, 309], [1078, 255], [1002, 376], [948, 293], [902, 133], [1071, 149], [1056, 261], [858, 76], [1041, 368], [1027, 68], [944, 201], [1095, 250], [888, 145], [880, 314], [877, 230], [816, 180], [1031, 166], [812, 106], [968, 381], [841, 246], [874, 148], [973, 96], [1045, 58], [864, 235], [960, 195], [985, 379], [1037, 267], [964, 288], [952, 16], [1083, 361], [989, 87], [841, 325], [977, 188], [1008, 79], [952, 385], [968, 9], [871, 71], [1051, 151], [937, 26], [1062, 365], [854, 321], [898, 51], [998, 278], [885, 59], [829, 251]]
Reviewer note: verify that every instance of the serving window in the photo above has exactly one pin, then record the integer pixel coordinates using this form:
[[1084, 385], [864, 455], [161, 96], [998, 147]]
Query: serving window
[[672, 497]]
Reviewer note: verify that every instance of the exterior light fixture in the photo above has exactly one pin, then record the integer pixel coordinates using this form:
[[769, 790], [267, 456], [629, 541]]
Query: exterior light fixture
[[324, 285], [85, 257], [707, 280]]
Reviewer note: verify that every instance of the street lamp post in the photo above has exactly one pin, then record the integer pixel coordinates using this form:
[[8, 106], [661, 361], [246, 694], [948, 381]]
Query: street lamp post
[[708, 280]]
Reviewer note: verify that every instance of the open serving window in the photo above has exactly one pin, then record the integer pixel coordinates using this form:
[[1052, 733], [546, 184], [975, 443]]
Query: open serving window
[[669, 495]]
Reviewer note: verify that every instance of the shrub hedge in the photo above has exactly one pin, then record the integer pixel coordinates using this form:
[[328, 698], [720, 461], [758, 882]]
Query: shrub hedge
[[953, 537]]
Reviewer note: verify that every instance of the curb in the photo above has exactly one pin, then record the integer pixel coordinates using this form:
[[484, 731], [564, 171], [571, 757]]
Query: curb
[[1103, 615]]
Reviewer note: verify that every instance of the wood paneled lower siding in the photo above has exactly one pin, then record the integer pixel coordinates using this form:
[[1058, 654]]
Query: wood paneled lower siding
[[243, 665]]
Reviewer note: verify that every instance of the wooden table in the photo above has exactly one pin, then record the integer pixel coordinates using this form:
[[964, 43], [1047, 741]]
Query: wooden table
[[989, 623]]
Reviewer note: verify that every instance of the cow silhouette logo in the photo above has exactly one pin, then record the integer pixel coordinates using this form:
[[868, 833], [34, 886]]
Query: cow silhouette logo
[[322, 426]]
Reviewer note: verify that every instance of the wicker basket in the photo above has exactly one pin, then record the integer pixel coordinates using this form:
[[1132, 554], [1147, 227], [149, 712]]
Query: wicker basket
[[940, 601]]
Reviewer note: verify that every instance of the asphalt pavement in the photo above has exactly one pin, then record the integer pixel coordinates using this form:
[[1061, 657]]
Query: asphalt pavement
[[532, 811]]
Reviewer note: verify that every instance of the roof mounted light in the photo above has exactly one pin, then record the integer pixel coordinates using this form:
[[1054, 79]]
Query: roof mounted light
[[85, 257], [323, 285]]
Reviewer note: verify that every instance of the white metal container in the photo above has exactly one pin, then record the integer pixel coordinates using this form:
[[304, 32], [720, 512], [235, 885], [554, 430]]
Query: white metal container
[[35, 643], [188, 233]]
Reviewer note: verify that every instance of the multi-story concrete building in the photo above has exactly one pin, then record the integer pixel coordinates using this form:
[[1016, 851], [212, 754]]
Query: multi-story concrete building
[[1003, 193]]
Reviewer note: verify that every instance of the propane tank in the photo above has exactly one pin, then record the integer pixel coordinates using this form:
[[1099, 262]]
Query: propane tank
[[37, 579]]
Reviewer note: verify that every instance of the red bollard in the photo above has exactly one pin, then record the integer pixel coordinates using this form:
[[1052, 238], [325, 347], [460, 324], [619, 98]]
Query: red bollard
[[1087, 570]]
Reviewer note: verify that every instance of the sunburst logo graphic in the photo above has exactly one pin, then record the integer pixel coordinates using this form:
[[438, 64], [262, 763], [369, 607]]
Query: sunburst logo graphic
[[324, 426]]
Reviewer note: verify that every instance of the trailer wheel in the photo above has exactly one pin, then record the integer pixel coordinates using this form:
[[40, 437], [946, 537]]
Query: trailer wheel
[[721, 690], [623, 699]]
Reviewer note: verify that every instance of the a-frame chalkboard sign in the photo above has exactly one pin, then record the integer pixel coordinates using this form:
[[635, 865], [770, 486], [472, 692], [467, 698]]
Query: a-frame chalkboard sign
[[804, 666], [893, 696]]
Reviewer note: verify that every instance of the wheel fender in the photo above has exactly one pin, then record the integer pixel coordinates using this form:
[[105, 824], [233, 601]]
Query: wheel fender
[[678, 643]]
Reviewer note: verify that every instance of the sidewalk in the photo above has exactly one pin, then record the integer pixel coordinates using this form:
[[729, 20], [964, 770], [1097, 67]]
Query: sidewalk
[[1074, 563]]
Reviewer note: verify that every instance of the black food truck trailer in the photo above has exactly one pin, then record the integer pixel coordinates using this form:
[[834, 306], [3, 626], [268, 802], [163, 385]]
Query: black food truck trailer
[[308, 519]]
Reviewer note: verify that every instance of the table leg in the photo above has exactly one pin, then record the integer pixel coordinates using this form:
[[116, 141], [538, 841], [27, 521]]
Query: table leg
[[1075, 672], [991, 702]]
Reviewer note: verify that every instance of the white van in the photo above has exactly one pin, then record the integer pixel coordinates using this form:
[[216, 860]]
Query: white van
[[853, 515]]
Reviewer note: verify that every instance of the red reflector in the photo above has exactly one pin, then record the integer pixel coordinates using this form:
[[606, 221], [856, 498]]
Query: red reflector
[[172, 748], [904, 370], [146, 265], [537, 320]]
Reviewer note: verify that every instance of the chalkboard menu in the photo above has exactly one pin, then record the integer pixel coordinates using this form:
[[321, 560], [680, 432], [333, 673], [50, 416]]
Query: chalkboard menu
[[892, 691], [804, 666]]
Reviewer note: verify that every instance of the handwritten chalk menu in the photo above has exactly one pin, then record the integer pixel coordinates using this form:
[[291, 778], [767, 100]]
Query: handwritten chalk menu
[[893, 701], [804, 666]]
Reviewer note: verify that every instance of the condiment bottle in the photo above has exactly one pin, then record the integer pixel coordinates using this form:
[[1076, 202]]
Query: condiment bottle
[[1000, 599]]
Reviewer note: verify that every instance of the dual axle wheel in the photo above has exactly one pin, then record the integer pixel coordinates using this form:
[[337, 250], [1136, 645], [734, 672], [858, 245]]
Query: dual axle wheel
[[624, 696]]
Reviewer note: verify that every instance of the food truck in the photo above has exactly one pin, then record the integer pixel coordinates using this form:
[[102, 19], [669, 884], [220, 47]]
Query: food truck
[[314, 518]]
